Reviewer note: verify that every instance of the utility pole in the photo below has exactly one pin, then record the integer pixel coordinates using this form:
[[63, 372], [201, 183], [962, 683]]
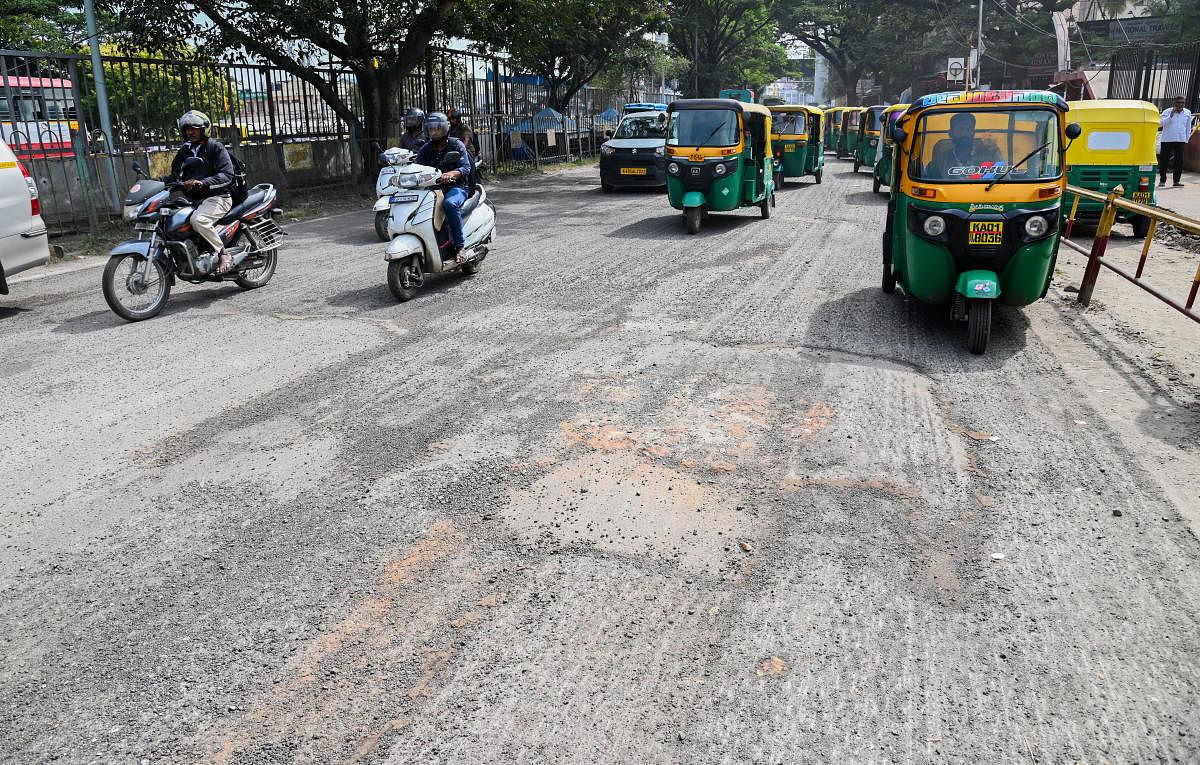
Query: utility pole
[[979, 47], [102, 99]]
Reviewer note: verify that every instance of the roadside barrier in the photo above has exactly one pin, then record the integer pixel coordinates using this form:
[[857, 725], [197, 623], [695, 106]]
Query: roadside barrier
[[1114, 201]]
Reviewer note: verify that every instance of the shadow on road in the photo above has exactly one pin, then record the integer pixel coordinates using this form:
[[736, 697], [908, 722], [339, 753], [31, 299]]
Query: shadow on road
[[866, 199], [714, 224], [377, 297], [877, 325], [12, 310], [179, 302]]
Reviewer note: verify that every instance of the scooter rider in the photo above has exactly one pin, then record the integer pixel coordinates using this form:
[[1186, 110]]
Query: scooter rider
[[453, 183], [414, 135], [206, 186]]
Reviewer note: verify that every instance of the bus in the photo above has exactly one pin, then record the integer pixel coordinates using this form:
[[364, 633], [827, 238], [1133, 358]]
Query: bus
[[746, 96], [38, 116]]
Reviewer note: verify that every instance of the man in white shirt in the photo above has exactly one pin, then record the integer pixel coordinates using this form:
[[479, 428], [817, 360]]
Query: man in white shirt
[[1176, 127]]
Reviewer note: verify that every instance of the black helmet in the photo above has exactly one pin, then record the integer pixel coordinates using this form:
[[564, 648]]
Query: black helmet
[[437, 126], [193, 118], [414, 119], [454, 114]]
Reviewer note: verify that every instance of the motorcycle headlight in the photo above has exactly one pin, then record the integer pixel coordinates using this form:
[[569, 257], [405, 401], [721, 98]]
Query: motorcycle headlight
[[673, 168], [935, 225], [605, 149], [1036, 226], [719, 169], [129, 212]]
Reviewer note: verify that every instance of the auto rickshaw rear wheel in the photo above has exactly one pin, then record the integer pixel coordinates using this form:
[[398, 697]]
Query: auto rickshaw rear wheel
[[692, 216], [979, 324], [764, 207], [818, 175], [1141, 226], [875, 186], [857, 165]]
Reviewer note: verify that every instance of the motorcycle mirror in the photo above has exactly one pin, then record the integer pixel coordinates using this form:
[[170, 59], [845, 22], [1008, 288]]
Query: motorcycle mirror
[[451, 158], [138, 169], [383, 159]]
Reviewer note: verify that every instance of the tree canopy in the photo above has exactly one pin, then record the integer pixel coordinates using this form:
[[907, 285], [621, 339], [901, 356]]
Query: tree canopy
[[729, 43]]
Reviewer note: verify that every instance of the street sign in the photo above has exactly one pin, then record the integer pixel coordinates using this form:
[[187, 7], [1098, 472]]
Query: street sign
[[954, 69]]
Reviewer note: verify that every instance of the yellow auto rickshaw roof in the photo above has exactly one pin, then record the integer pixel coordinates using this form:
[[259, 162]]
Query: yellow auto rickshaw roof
[[796, 108], [730, 104], [1114, 110], [895, 108]]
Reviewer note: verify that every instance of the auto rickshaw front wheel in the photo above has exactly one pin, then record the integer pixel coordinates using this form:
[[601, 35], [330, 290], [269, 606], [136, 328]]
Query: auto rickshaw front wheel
[[692, 216], [889, 279], [765, 207], [875, 185], [817, 175], [979, 324], [857, 165]]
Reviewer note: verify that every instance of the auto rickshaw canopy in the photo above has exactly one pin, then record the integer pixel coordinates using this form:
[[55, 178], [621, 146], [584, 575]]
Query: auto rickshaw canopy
[[890, 115], [1115, 132], [778, 126]]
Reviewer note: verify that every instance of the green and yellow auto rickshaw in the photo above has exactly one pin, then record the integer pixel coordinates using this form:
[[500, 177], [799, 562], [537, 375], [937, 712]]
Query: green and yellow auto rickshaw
[[833, 127], [718, 157], [975, 204], [1116, 148], [848, 140], [796, 137], [868, 137], [883, 165]]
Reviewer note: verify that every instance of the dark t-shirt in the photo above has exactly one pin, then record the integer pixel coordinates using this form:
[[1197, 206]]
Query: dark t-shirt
[[216, 173]]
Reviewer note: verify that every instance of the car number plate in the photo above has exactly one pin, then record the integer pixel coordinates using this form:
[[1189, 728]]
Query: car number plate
[[144, 226], [633, 171], [1141, 196], [986, 232], [397, 198]]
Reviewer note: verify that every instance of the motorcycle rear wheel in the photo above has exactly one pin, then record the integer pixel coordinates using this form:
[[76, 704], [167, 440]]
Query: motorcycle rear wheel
[[257, 277], [122, 287]]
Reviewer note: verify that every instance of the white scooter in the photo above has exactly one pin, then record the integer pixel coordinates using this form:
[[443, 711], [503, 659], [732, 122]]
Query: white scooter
[[389, 161], [416, 247]]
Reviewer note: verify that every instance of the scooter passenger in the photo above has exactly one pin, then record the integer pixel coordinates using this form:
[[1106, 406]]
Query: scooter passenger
[[453, 183], [414, 135]]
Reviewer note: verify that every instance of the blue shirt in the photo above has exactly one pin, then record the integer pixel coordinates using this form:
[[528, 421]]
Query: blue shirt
[[428, 155]]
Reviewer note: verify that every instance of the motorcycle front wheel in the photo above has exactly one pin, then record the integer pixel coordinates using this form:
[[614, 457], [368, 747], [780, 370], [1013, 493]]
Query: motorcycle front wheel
[[129, 295]]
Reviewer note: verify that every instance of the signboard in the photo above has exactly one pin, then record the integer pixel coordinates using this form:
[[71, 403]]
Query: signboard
[[550, 137], [1123, 31], [298, 156], [955, 67]]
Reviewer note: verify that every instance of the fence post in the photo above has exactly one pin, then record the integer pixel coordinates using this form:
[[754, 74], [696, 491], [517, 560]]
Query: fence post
[[1103, 230], [430, 91]]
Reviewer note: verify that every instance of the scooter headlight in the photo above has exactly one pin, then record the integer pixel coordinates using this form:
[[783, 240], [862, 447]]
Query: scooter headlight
[[1036, 226], [394, 180], [719, 169], [673, 168], [605, 149], [935, 225]]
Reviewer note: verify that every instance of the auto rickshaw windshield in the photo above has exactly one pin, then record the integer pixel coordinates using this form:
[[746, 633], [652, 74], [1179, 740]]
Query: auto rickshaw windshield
[[789, 123], [703, 127], [980, 146], [873, 119], [641, 127]]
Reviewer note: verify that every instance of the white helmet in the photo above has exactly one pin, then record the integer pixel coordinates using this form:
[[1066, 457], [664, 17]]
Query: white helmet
[[193, 118]]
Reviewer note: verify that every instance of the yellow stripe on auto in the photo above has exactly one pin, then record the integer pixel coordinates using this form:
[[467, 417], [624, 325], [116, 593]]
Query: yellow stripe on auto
[[694, 154], [965, 193]]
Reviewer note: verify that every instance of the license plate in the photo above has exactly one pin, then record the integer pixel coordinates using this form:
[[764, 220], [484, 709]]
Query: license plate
[[697, 157], [633, 171], [398, 198], [144, 226], [789, 147], [1141, 196], [985, 232]]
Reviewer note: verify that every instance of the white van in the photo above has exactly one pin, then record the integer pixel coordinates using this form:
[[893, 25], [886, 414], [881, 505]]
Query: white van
[[23, 241]]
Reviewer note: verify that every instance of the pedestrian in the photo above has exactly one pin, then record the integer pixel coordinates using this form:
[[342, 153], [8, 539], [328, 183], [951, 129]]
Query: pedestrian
[[1176, 126]]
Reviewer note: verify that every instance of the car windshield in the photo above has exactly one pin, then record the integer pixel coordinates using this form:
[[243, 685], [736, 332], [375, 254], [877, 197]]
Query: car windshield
[[641, 127], [703, 127], [873, 119], [789, 123], [980, 146]]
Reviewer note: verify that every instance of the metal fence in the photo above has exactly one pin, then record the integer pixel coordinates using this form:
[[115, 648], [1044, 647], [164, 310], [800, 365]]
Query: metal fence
[[1156, 73], [277, 123]]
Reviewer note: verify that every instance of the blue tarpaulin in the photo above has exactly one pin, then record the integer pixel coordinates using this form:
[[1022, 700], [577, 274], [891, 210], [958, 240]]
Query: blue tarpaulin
[[546, 119]]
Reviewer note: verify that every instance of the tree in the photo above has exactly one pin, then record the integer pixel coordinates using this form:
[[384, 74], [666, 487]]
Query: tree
[[727, 43], [44, 25], [567, 42], [379, 43]]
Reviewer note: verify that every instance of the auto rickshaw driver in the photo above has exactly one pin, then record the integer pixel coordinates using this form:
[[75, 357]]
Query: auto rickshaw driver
[[962, 149]]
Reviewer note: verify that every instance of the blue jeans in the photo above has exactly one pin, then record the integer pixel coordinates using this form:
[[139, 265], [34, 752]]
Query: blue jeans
[[455, 197]]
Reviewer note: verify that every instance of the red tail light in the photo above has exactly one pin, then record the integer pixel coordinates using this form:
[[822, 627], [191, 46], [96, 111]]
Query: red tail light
[[1144, 183], [34, 207]]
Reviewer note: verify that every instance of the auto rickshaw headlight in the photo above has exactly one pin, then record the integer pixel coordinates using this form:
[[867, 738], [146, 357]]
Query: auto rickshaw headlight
[[719, 169], [935, 225], [673, 168], [1036, 226]]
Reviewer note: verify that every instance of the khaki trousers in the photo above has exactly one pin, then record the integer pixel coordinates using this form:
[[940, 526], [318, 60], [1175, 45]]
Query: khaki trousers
[[207, 213]]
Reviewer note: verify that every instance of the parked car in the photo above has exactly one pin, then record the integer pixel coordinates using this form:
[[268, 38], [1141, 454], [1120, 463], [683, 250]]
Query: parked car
[[634, 154], [23, 242]]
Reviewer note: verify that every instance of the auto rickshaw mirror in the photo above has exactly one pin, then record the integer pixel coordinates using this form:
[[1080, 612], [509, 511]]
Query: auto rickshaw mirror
[[662, 118], [898, 134], [1073, 130]]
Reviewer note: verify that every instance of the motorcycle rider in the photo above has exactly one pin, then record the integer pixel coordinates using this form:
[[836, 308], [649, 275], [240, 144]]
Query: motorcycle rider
[[206, 186], [452, 183], [459, 130], [414, 136]]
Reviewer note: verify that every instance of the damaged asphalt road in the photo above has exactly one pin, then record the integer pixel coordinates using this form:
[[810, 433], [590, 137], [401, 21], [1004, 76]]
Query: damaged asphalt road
[[626, 495]]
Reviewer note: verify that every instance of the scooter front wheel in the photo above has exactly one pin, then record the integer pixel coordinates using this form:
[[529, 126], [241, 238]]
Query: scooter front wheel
[[405, 277], [381, 224]]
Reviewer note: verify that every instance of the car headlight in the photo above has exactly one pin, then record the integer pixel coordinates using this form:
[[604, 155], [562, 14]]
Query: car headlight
[[660, 150], [719, 169], [673, 168], [605, 149], [1036, 226], [935, 225]]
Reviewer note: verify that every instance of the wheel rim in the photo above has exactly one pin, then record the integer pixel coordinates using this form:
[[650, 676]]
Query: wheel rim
[[410, 274], [131, 291], [254, 274]]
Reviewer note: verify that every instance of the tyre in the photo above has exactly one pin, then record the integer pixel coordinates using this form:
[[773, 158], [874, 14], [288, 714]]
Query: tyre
[[857, 165], [875, 186], [1141, 226], [692, 216], [979, 324], [381, 224], [889, 279], [127, 294], [253, 278], [472, 268], [817, 175], [764, 207], [780, 182], [405, 277]]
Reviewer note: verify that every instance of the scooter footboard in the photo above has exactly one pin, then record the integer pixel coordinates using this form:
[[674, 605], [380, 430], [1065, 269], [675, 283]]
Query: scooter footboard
[[403, 246]]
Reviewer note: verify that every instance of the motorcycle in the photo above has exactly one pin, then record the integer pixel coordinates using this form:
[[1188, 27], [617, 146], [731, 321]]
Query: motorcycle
[[140, 273], [416, 246]]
